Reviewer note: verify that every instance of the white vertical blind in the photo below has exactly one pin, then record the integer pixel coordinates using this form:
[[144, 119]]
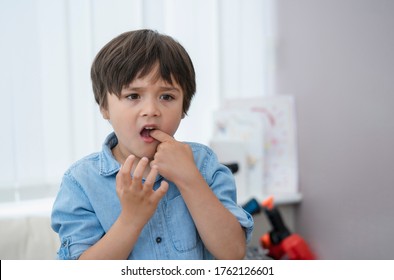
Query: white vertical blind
[[49, 118]]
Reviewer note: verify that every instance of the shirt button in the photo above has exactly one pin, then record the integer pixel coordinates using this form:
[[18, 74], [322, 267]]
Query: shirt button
[[158, 239]]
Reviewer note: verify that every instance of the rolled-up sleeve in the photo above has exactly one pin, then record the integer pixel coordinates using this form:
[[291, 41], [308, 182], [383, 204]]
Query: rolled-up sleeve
[[73, 218], [221, 181]]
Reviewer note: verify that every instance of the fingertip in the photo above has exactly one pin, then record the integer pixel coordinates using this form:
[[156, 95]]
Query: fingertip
[[161, 136], [161, 191], [163, 186], [127, 164], [129, 159], [153, 166], [155, 131], [131, 156]]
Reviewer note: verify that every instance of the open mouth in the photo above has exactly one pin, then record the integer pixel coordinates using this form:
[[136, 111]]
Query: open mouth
[[145, 132]]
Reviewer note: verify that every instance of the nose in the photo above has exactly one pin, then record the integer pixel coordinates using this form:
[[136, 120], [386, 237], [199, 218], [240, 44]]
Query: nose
[[150, 108]]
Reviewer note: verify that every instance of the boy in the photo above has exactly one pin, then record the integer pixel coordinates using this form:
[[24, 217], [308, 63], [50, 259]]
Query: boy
[[146, 195]]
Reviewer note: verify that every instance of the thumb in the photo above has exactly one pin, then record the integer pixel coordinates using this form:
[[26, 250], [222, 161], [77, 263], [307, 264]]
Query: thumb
[[161, 191]]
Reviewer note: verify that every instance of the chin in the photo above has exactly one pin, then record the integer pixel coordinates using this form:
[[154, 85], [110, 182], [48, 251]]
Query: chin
[[148, 154]]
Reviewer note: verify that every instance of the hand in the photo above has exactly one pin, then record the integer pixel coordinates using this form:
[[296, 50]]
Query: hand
[[139, 201], [174, 160]]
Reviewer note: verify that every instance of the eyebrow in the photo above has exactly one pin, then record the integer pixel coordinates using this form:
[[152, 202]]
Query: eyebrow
[[161, 88]]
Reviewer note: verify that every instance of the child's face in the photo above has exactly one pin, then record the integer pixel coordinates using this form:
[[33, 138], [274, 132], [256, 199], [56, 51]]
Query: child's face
[[147, 103]]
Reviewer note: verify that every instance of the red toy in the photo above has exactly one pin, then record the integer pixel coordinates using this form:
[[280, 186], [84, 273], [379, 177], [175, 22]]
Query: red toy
[[280, 242]]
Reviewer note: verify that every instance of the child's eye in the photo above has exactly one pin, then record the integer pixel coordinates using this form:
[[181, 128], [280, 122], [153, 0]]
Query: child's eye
[[166, 97], [133, 96]]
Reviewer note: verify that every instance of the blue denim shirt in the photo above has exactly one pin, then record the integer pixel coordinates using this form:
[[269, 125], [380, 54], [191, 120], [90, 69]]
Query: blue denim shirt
[[87, 206]]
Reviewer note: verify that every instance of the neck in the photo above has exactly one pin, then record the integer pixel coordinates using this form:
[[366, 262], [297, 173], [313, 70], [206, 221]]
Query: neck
[[121, 158]]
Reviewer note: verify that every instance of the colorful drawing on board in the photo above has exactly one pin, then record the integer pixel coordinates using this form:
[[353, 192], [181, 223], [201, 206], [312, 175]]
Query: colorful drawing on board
[[268, 126]]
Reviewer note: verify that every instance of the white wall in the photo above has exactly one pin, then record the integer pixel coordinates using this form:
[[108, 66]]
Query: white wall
[[336, 57], [49, 118]]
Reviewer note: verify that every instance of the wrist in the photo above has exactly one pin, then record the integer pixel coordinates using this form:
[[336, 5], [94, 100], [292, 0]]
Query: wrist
[[129, 224], [190, 180]]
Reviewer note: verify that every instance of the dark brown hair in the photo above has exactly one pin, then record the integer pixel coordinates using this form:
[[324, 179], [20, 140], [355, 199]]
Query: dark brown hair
[[133, 55]]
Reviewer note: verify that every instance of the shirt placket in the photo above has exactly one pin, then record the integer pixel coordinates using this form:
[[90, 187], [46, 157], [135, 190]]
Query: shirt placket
[[159, 236]]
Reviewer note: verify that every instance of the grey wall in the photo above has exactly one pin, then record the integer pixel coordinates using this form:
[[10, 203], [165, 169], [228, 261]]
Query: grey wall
[[337, 58]]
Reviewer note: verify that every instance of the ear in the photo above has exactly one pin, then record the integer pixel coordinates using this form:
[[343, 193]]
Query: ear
[[104, 113]]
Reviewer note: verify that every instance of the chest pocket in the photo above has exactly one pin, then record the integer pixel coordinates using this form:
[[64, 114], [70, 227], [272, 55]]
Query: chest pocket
[[181, 226]]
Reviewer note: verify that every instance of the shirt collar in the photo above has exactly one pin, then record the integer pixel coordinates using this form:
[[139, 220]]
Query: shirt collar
[[108, 164]]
